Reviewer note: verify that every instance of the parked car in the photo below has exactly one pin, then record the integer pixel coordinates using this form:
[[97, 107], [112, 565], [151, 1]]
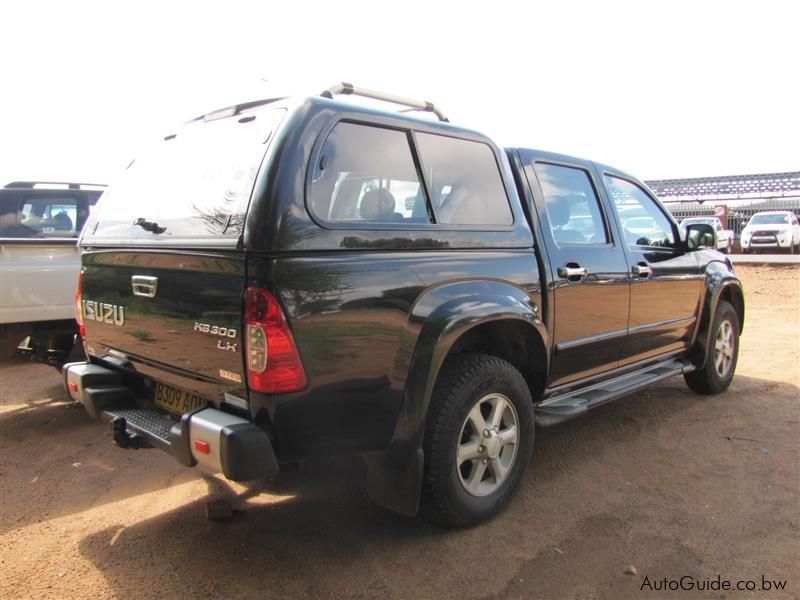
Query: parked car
[[771, 230], [260, 290], [723, 237], [39, 227]]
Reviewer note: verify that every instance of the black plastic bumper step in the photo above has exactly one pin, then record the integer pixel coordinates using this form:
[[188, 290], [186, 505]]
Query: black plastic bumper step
[[144, 420]]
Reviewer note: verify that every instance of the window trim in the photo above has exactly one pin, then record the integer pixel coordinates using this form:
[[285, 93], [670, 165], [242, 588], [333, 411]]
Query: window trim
[[412, 134], [410, 129], [675, 231], [611, 242]]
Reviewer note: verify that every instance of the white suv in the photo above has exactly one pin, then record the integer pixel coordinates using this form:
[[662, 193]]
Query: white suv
[[774, 229], [39, 264]]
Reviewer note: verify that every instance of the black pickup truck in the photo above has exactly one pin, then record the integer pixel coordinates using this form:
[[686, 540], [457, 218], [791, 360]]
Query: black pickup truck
[[285, 279]]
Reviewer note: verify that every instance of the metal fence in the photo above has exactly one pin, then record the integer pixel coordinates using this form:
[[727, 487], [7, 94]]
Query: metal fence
[[732, 198], [758, 186], [734, 216]]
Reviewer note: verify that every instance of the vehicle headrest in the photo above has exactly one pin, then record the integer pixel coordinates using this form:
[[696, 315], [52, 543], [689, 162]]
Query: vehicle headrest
[[558, 210], [62, 222], [377, 205]]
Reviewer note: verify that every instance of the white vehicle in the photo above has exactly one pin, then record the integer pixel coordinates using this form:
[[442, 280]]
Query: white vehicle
[[724, 237], [772, 230], [39, 265]]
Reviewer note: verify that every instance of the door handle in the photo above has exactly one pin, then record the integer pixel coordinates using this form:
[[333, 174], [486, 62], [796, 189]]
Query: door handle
[[572, 272], [642, 270]]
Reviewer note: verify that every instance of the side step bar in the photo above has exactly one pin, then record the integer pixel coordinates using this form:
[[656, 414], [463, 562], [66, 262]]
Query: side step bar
[[576, 402]]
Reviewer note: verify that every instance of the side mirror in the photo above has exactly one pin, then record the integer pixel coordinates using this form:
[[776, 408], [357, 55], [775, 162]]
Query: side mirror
[[700, 235]]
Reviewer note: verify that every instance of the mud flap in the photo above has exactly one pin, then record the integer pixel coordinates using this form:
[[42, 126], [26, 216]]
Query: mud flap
[[394, 479]]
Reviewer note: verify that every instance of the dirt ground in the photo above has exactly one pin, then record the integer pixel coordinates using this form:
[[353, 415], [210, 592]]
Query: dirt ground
[[664, 483]]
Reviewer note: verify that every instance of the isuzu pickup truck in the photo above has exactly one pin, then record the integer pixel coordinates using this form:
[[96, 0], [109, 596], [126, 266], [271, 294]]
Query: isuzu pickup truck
[[39, 265], [290, 278]]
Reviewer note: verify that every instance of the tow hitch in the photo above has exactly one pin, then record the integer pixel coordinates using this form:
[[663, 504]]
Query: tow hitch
[[218, 440], [122, 438]]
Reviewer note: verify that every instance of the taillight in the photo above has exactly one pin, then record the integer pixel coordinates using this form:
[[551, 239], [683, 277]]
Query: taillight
[[79, 306], [273, 363]]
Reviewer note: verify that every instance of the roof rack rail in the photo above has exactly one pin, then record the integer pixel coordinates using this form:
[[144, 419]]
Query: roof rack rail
[[230, 111], [351, 90], [72, 185]]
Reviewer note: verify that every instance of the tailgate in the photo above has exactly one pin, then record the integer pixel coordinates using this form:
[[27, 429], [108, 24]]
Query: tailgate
[[176, 316]]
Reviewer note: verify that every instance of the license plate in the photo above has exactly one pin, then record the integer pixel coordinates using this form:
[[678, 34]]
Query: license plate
[[176, 400]]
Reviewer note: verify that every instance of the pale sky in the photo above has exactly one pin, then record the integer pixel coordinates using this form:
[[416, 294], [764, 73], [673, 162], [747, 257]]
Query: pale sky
[[662, 90]]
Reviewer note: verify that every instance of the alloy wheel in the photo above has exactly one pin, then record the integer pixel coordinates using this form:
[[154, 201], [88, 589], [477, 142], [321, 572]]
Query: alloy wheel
[[487, 445], [723, 349]]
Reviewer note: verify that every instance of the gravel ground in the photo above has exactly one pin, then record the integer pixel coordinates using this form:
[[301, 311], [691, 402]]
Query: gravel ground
[[662, 484]]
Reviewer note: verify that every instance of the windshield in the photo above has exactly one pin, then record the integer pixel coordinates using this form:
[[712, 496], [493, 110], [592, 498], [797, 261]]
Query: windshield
[[193, 184], [699, 221], [769, 220]]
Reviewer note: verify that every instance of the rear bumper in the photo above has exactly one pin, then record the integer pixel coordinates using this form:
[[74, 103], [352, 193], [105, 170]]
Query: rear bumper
[[212, 438]]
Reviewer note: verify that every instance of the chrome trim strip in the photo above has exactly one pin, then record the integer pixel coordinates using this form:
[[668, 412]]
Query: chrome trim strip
[[51, 241], [673, 323], [592, 339]]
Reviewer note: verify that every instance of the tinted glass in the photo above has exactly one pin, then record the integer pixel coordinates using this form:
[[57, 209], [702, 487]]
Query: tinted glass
[[366, 174], [194, 184], [29, 216], [572, 206], [643, 222], [464, 181], [715, 223]]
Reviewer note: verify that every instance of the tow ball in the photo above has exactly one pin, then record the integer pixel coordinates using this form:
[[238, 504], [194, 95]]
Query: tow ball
[[122, 438]]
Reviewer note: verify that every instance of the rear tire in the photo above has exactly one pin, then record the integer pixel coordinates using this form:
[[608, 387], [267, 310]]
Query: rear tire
[[8, 347], [12, 336], [721, 356], [478, 440]]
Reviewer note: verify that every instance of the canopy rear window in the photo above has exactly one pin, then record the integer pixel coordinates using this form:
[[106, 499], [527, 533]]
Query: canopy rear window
[[194, 184]]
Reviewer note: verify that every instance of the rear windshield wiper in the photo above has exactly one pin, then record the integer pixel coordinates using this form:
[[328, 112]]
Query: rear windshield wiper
[[151, 226]]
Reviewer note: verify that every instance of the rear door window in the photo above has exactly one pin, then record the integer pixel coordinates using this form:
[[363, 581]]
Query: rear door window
[[367, 175], [464, 181]]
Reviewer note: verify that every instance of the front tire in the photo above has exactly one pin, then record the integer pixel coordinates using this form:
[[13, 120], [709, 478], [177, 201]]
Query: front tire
[[478, 440], [722, 355]]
